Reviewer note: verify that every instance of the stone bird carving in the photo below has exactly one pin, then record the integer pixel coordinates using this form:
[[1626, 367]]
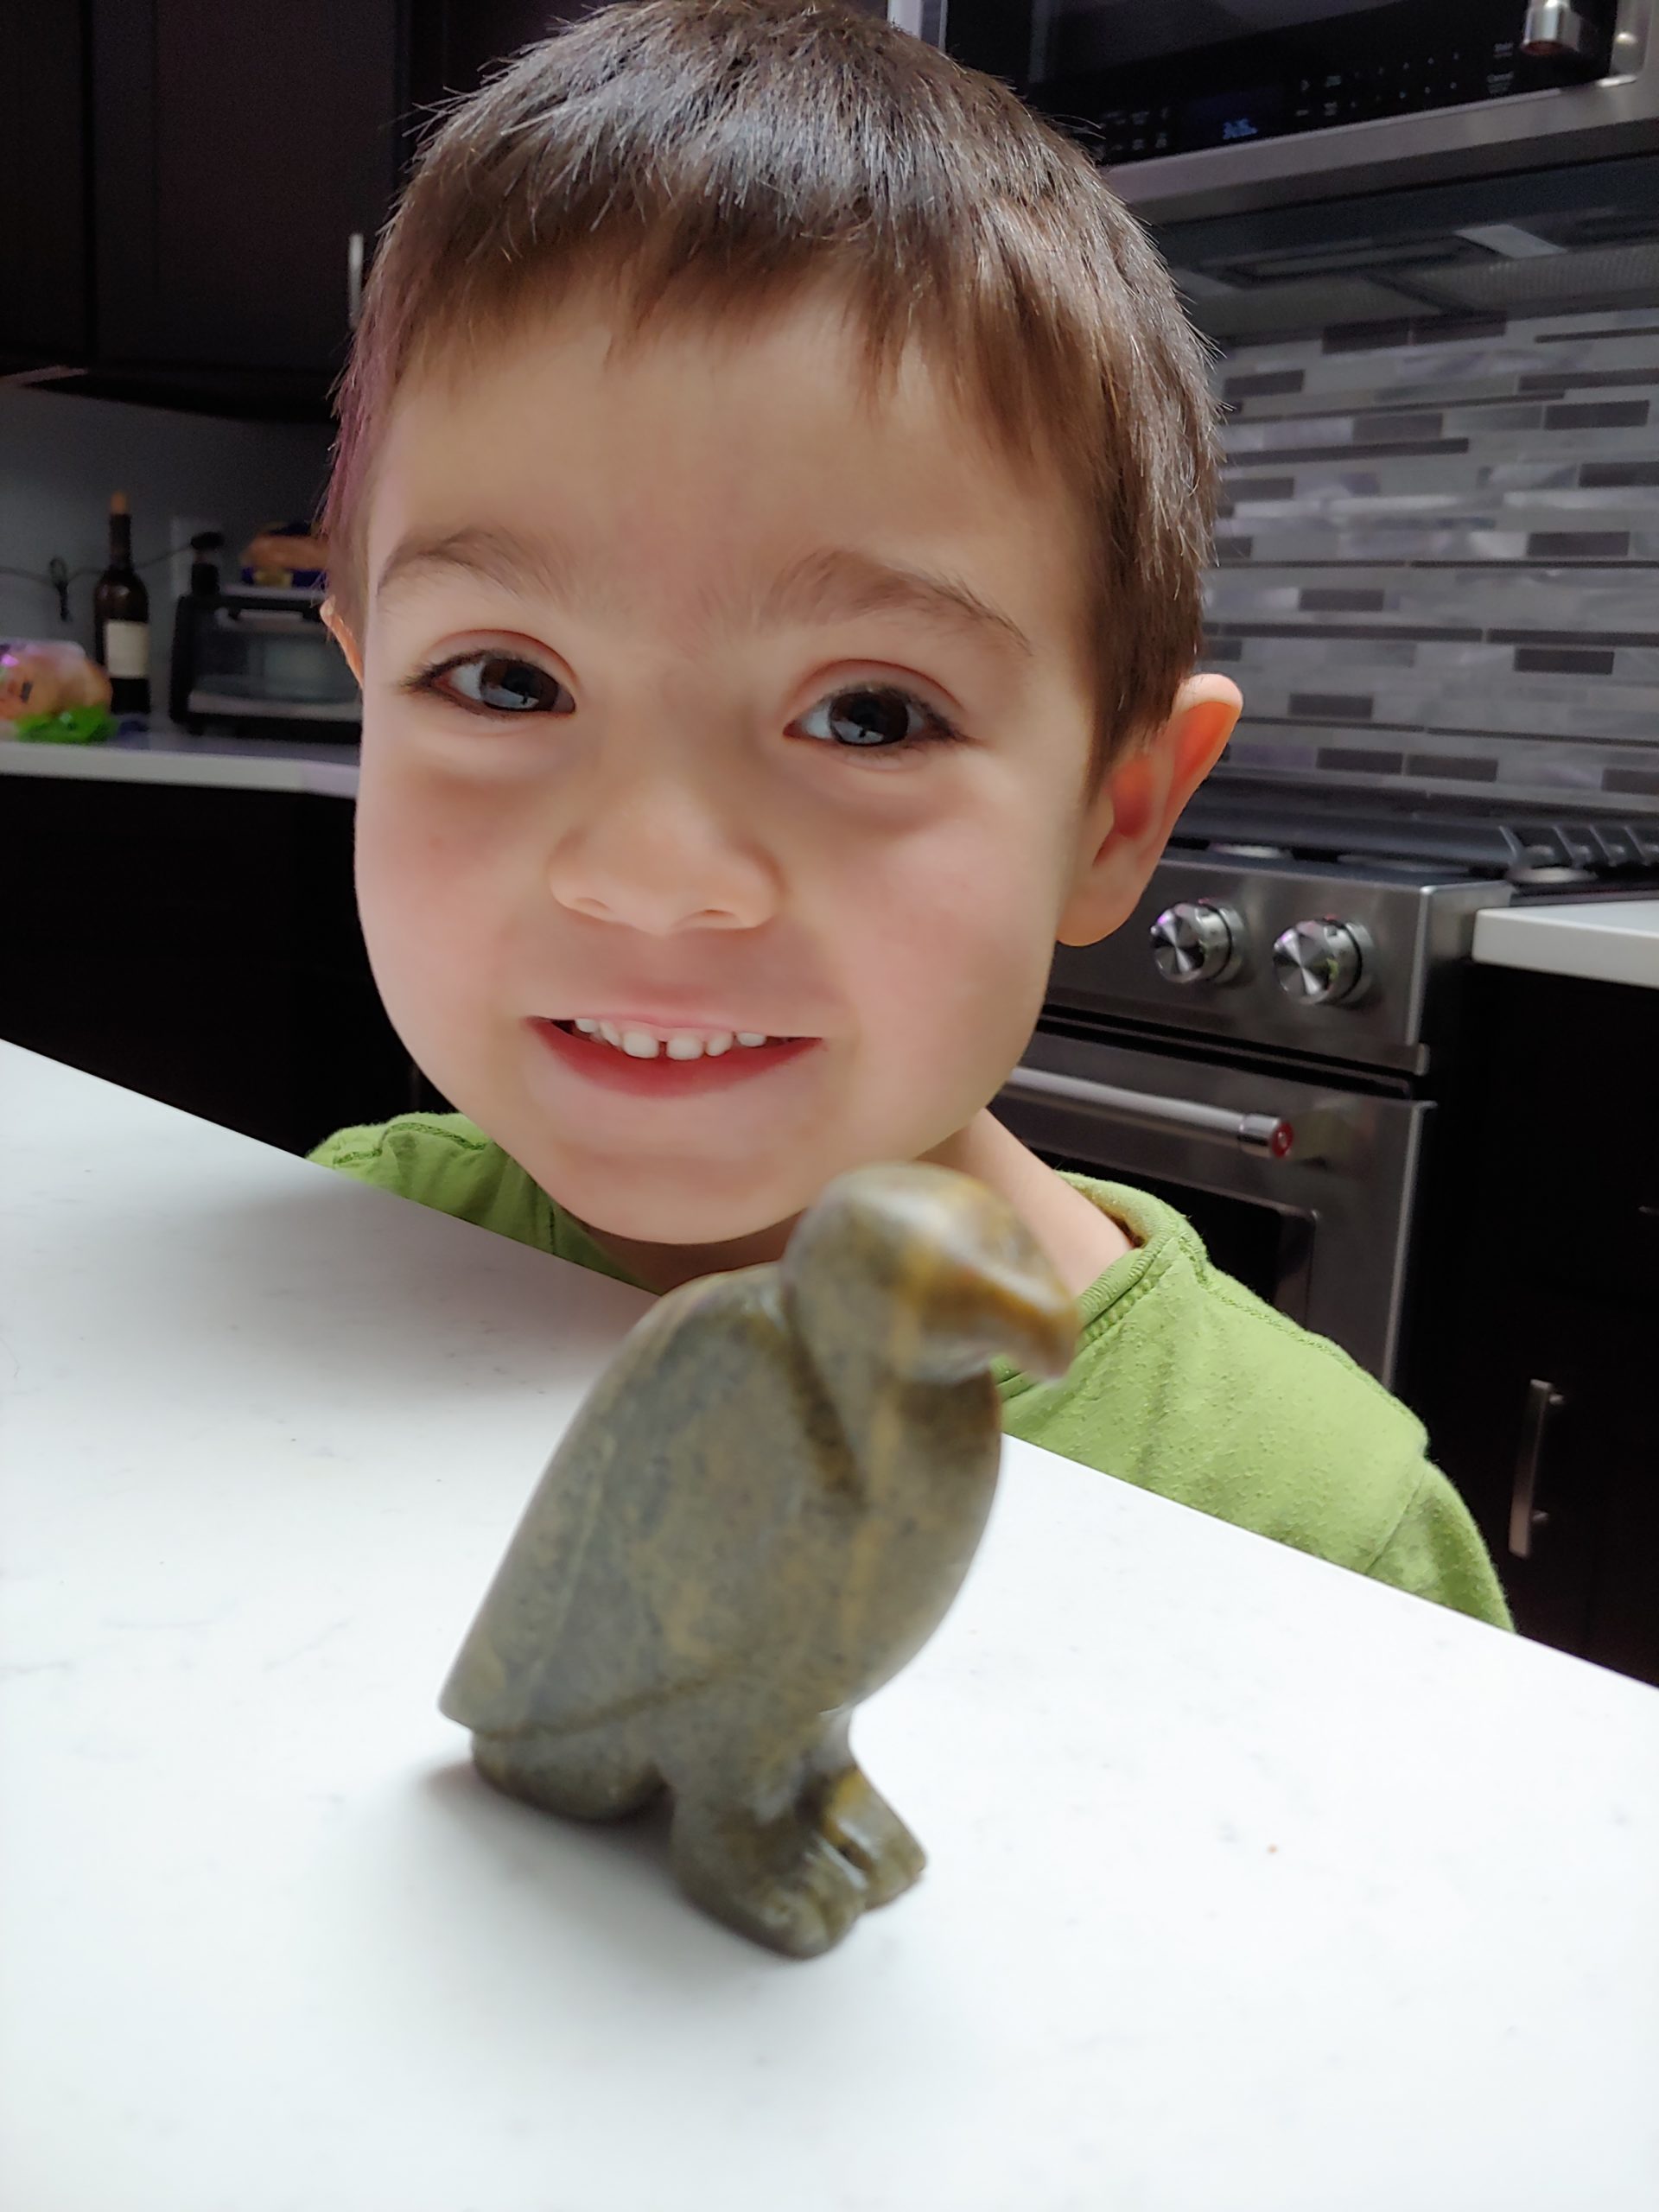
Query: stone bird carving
[[761, 1513]]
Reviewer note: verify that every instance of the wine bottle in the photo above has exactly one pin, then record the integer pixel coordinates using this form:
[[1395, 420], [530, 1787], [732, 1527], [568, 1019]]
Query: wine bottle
[[121, 618]]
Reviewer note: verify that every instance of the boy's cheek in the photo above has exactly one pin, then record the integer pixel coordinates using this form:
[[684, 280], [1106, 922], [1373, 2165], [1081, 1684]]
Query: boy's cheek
[[421, 871]]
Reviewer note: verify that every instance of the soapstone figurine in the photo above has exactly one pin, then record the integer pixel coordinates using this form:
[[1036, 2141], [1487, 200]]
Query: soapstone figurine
[[761, 1513]]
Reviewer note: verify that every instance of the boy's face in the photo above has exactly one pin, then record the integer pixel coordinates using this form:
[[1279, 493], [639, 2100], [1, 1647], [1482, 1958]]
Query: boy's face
[[704, 697]]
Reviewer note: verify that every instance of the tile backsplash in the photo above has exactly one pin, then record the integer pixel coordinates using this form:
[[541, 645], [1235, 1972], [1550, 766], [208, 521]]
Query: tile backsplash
[[1439, 559]]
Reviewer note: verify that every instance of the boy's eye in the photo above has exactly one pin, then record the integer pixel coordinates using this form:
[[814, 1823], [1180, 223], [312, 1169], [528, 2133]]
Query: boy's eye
[[497, 684], [874, 717]]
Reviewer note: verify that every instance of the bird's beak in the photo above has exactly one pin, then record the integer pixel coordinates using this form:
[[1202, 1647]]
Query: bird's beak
[[1036, 1323]]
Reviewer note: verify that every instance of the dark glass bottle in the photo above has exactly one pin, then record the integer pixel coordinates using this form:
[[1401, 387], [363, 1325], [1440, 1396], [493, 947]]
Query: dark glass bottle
[[121, 618]]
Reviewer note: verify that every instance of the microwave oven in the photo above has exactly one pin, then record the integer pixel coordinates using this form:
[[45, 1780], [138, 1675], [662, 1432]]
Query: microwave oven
[[1203, 107]]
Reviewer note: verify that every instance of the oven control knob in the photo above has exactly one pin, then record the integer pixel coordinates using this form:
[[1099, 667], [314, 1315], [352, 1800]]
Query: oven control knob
[[1197, 943], [1322, 961]]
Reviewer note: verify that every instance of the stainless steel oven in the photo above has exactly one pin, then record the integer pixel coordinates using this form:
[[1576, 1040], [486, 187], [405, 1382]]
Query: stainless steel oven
[[1272, 1040], [1304, 1189], [1262, 1043]]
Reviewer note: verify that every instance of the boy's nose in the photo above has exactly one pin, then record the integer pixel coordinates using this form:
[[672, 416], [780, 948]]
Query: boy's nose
[[660, 861]]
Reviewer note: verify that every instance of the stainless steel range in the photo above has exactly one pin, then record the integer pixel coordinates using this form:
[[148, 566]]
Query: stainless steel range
[[1270, 1040]]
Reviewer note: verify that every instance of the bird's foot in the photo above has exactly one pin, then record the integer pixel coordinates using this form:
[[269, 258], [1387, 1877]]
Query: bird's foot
[[858, 1821], [779, 1882], [594, 1775]]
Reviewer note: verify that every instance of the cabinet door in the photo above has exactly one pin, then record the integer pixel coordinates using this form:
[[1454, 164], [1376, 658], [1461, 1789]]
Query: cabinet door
[[240, 149], [1537, 1375], [199, 945], [43, 249]]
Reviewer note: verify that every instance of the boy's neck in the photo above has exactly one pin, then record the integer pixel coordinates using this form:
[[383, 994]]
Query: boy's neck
[[1080, 1240]]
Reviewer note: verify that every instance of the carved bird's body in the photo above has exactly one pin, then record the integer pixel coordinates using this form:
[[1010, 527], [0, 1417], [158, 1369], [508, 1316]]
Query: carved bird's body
[[761, 1513]]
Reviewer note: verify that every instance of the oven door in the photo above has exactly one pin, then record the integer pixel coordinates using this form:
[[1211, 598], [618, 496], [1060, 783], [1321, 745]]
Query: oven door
[[1305, 1193]]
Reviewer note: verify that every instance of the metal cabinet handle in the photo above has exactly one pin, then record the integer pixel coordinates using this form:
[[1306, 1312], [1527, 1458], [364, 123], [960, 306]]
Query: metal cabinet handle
[[1553, 28], [1542, 1400], [1264, 1134], [354, 277]]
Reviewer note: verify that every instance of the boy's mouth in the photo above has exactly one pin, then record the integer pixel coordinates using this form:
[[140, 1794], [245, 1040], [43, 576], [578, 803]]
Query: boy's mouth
[[651, 1061]]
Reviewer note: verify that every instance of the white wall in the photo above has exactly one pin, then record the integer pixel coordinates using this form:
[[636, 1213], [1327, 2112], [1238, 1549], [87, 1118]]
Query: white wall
[[62, 456]]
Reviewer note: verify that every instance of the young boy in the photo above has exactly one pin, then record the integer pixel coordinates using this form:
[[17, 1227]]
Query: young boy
[[775, 482]]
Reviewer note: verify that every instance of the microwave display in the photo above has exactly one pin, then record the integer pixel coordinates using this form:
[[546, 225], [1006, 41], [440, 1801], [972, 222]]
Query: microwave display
[[1182, 75]]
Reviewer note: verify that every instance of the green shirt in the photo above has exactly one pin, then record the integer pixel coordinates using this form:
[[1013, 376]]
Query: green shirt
[[1185, 1382]]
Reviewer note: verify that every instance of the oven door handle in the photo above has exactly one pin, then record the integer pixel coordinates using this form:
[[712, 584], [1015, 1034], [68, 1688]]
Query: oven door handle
[[1268, 1136]]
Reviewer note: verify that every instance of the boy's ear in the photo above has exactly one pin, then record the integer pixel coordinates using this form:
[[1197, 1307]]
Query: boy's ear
[[1127, 822], [335, 624]]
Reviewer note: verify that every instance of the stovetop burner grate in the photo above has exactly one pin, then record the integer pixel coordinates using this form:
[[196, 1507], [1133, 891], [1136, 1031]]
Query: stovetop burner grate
[[1518, 848]]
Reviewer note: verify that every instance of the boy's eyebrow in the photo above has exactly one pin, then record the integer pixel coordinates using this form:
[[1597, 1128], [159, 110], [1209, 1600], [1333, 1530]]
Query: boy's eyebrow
[[834, 581], [841, 582], [498, 556]]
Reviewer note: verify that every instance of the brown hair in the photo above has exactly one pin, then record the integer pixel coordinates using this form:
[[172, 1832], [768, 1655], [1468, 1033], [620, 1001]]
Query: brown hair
[[714, 155]]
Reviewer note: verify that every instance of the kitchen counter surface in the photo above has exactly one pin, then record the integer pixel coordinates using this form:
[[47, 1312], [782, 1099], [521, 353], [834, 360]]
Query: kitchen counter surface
[[1602, 940], [162, 755], [1254, 1884]]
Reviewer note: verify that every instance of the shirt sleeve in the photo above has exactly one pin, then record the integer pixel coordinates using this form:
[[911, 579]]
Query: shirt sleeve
[[1436, 1551], [362, 1152], [446, 1162]]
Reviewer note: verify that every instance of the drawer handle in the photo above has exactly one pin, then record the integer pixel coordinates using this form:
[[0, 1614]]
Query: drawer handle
[[1543, 1401], [1268, 1134], [353, 278]]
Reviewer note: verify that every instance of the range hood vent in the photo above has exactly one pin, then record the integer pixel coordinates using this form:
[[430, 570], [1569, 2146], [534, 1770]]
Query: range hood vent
[[1585, 236]]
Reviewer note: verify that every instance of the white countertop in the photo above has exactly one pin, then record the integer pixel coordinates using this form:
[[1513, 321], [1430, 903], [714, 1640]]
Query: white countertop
[[162, 755], [1602, 940], [1256, 1886]]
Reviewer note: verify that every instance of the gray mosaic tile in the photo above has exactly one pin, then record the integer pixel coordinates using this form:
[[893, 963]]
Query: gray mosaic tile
[[1273, 383], [1366, 598], [1258, 755], [1602, 378], [1562, 660], [1455, 767], [1329, 706], [1617, 475], [1578, 545], [1598, 415]]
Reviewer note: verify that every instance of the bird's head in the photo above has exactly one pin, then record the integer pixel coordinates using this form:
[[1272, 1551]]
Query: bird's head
[[931, 1273]]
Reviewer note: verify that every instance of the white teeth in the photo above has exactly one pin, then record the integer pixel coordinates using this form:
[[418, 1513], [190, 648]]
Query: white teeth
[[676, 1044]]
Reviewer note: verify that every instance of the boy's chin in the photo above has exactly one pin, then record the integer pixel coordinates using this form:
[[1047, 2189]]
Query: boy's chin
[[641, 1211]]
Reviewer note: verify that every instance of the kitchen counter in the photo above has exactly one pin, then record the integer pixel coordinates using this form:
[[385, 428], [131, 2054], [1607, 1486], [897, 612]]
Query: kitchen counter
[[1613, 941], [1602, 940], [163, 754], [1254, 1884]]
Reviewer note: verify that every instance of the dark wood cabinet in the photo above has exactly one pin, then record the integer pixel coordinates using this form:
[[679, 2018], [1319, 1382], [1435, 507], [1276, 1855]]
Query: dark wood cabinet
[[1539, 1379], [194, 187], [199, 945], [44, 317], [244, 160]]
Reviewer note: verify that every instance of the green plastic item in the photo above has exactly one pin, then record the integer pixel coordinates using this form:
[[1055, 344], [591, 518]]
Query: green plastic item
[[72, 726]]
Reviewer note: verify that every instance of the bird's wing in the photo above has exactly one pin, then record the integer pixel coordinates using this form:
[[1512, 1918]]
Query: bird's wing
[[640, 1568]]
